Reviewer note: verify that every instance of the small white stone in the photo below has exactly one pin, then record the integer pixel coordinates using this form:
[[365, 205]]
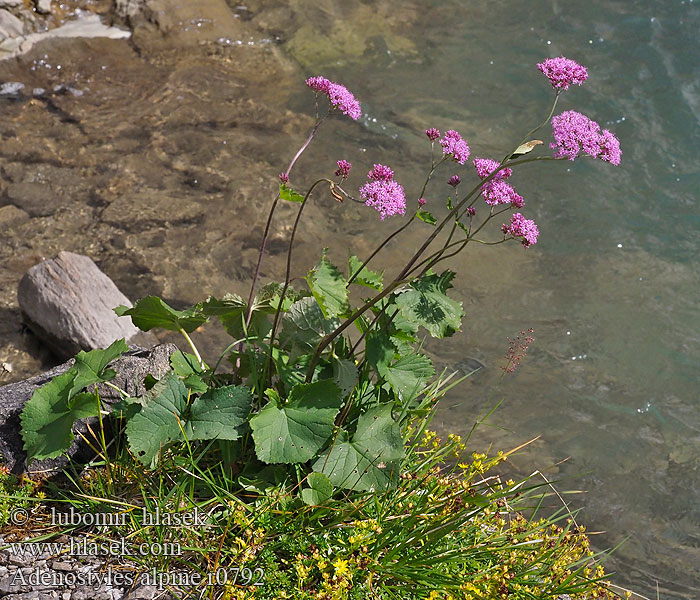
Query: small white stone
[[43, 6]]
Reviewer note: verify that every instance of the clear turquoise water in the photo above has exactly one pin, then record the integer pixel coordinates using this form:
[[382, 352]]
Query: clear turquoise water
[[611, 382]]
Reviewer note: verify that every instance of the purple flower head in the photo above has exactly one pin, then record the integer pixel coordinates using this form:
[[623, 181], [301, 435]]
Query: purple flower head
[[471, 211], [421, 202], [485, 166], [338, 95], [382, 193], [432, 134], [454, 181], [610, 148], [343, 169], [318, 84], [574, 132], [380, 173], [522, 228], [453, 145], [563, 72], [284, 178], [497, 191]]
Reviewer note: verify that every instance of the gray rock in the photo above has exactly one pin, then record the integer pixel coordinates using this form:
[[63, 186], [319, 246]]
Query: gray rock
[[68, 303], [11, 88], [10, 3], [11, 215], [131, 370], [143, 592], [43, 6], [37, 199], [10, 26]]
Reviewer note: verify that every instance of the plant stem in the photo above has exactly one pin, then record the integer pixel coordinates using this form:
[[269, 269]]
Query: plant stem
[[349, 321], [194, 348], [266, 233], [288, 273]]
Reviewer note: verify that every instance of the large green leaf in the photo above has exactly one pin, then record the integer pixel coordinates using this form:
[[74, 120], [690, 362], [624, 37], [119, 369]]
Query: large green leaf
[[365, 277], [91, 367], [151, 311], [379, 351], [344, 375], [370, 460], [293, 432], [48, 417], [409, 374], [329, 287], [158, 424], [304, 326], [320, 490], [219, 414], [426, 303], [47, 420]]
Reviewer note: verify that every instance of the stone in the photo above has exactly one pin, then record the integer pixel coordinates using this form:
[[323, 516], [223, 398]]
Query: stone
[[10, 3], [11, 215], [89, 26], [37, 199], [43, 6], [131, 370], [68, 303], [154, 208], [10, 26]]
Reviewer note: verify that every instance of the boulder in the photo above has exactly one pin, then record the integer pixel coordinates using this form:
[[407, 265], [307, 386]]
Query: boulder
[[67, 302], [131, 369]]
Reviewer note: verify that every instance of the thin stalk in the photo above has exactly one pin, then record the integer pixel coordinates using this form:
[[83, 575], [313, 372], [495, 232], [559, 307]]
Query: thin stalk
[[288, 273], [194, 348], [266, 233], [349, 321], [536, 129]]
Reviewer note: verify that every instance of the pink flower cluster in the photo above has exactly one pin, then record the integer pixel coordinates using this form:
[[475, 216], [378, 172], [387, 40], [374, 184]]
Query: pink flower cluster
[[343, 169], [522, 228], [338, 96], [432, 134], [485, 166], [563, 72], [453, 145], [574, 132], [497, 191], [382, 193]]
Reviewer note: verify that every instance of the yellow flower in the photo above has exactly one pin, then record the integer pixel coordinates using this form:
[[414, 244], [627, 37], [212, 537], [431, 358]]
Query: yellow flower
[[341, 567]]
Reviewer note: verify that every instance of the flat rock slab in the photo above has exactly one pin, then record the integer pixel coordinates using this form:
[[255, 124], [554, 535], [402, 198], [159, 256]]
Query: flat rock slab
[[131, 369], [68, 303]]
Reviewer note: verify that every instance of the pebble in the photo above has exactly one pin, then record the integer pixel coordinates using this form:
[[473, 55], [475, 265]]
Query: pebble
[[11, 88], [43, 6], [10, 3]]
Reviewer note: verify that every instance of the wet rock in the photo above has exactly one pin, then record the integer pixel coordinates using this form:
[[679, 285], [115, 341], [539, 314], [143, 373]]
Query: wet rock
[[11, 88], [67, 301], [36, 199], [131, 369], [11, 215], [86, 27], [10, 26], [153, 209]]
